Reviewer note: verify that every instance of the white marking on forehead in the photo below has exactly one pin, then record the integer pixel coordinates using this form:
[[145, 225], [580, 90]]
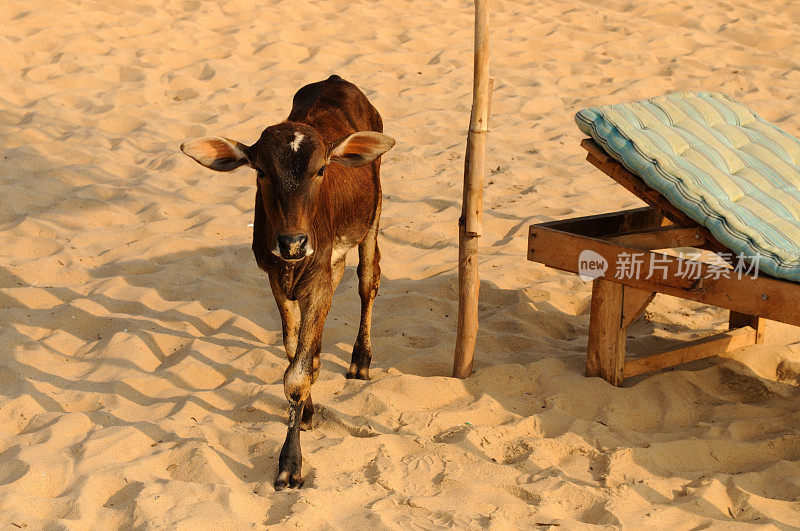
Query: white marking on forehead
[[295, 145]]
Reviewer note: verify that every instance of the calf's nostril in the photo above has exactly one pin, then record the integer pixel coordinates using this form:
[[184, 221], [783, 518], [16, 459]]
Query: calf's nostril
[[292, 246], [283, 244]]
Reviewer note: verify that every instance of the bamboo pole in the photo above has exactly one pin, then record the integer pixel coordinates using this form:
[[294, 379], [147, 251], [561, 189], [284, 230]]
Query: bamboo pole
[[469, 224]]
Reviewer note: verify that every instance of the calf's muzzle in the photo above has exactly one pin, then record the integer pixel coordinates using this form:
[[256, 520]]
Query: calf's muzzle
[[294, 246]]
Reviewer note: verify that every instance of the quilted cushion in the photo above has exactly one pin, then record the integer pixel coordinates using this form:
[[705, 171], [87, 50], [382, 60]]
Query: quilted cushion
[[718, 162]]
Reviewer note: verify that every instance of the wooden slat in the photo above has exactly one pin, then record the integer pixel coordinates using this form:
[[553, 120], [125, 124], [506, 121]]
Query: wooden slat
[[738, 320], [646, 228], [612, 223], [695, 350], [593, 149], [663, 238], [634, 301], [767, 297], [606, 353]]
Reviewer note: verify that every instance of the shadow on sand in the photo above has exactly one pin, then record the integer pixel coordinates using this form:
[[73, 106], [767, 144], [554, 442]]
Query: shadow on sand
[[413, 332]]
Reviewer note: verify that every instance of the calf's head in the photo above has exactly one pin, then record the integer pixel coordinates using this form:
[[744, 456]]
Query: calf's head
[[290, 160]]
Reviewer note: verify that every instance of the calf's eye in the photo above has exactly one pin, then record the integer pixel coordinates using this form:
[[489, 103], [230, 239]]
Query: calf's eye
[[321, 171]]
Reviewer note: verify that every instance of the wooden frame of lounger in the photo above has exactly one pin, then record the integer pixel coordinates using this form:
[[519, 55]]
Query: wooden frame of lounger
[[618, 302]]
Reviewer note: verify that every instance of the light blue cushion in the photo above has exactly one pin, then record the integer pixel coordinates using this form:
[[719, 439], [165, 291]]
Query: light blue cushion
[[718, 162]]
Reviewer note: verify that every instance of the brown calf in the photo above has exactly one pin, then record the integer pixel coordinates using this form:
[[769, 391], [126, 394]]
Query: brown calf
[[318, 196]]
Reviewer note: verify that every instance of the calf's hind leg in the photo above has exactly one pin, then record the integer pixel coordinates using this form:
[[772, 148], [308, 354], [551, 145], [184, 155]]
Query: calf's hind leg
[[369, 277]]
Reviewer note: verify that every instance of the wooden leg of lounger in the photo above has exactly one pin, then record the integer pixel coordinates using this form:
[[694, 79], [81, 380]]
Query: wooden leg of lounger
[[738, 320], [606, 353]]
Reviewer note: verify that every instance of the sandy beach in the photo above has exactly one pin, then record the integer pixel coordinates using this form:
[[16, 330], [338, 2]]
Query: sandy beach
[[141, 359]]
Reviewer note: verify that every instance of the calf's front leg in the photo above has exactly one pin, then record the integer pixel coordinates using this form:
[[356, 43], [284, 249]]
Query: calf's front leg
[[290, 461], [297, 381], [290, 318], [290, 322]]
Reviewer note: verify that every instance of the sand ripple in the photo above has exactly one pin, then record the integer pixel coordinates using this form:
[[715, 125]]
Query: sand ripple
[[141, 365]]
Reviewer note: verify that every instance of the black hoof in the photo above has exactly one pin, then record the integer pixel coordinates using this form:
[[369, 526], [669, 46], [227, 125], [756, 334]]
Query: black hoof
[[357, 374], [290, 461], [359, 363], [287, 480]]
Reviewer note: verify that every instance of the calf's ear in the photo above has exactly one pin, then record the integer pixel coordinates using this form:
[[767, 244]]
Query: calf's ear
[[360, 148], [216, 152]]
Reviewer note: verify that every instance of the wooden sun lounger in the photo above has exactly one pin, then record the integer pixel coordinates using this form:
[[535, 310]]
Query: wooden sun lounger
[[617, 300]]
